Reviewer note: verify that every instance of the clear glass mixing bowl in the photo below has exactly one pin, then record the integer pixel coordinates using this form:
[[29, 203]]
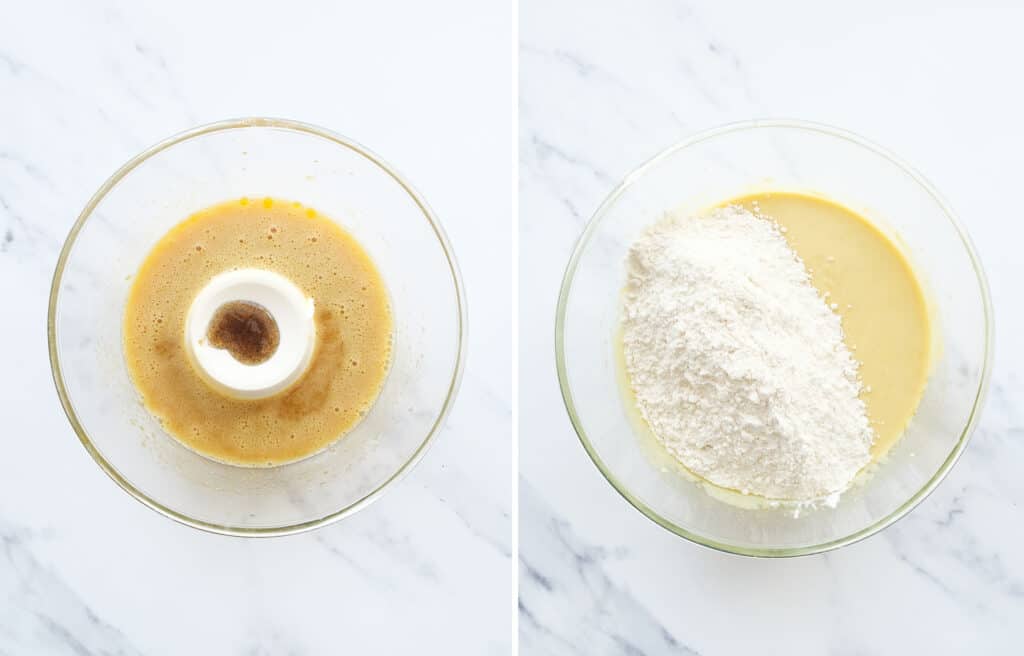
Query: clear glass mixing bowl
[[725, 163], [255, 158]]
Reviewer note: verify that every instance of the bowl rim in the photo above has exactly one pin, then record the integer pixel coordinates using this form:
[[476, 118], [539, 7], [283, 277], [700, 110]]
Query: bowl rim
[[773, 552], [301, 128]]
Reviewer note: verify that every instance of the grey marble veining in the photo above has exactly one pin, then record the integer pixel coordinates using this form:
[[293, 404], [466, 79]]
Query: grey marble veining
[[605, 87]]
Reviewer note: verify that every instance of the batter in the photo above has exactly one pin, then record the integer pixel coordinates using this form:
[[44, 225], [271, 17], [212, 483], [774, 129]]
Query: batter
[[353, 327], [871, 285]]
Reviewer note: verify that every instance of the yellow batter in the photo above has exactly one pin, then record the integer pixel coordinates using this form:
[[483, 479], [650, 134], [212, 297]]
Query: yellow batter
[[876, 294], [353, 323]]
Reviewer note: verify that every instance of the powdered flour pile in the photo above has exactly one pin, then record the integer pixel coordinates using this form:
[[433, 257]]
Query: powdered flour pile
[[738, 365]]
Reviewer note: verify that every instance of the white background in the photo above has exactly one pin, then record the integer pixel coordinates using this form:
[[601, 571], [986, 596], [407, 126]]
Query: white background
[[430, 87], [606, 85]]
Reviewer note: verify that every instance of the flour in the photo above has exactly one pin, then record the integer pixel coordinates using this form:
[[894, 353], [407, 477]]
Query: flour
[[738, 365]]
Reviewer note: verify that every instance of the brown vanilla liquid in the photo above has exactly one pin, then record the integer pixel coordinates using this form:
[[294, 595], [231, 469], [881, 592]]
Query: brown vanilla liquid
[[246, 330]]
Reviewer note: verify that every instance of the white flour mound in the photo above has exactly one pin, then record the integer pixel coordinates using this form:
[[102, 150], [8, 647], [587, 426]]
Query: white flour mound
[[738, 365]]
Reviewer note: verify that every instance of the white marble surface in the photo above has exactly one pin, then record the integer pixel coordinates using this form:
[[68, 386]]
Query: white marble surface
[[605, 86], [85, 569]]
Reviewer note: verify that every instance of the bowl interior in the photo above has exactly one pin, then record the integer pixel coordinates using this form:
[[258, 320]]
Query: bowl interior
[[723, 164], [161, 188]]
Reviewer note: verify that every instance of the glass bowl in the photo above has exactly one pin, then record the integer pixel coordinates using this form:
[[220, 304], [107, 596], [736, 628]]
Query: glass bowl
[[256, 157], [725, 163]]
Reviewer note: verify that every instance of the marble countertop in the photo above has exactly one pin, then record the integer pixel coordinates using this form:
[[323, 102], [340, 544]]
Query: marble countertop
[[84, 568], [606, 85]]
